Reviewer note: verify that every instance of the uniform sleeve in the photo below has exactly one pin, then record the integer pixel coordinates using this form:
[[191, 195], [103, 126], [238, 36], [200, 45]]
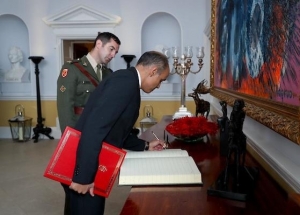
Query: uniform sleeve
[[66, 92]]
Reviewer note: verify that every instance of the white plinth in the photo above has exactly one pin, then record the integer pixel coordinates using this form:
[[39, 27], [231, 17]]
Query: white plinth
[[182, 113]]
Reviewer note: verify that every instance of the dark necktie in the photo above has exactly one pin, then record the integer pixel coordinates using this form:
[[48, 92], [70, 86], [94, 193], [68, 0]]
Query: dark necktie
[[99, 71]]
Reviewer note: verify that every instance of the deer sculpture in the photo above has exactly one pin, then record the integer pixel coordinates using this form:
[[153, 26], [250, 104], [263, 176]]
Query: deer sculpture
[[202, 106]]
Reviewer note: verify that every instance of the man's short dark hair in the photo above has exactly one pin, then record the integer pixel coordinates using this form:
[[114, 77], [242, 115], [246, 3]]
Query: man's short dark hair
[[154, 58], [105, 37]]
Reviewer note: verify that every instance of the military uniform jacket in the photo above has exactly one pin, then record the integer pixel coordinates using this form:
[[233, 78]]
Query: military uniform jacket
[[74, 89]]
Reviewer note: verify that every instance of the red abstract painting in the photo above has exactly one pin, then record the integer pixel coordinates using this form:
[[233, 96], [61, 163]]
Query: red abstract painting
[[257, 48]]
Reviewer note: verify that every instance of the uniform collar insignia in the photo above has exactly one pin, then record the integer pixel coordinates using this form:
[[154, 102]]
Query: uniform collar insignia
[[62, 88]]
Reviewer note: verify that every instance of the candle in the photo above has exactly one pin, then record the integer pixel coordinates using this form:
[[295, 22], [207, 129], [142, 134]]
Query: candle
[[21, 133]]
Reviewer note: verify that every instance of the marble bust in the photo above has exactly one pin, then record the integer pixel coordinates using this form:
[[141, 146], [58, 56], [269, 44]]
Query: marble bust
[[17, 73]]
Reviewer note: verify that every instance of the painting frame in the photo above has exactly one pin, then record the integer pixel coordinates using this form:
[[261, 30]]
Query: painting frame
[[281, 117]]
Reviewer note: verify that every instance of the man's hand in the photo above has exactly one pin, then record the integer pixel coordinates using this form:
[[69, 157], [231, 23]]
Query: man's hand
[[82, 188], [157, 145]]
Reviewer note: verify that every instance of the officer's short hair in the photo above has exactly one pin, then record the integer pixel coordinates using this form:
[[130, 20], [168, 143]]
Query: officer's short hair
[[105, 37]]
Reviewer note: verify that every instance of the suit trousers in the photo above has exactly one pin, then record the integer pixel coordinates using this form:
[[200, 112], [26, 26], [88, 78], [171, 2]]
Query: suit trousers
[[82, 204]]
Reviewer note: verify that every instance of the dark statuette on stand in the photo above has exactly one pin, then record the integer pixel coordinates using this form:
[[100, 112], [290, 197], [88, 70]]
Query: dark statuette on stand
[[223, 123], [202, 106], [236, 181]]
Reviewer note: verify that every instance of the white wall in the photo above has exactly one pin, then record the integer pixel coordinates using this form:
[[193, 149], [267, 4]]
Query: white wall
[[192, 15]]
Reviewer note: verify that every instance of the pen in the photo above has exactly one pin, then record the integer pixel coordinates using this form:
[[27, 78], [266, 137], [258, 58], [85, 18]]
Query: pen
[[155, 135], [158, 139]]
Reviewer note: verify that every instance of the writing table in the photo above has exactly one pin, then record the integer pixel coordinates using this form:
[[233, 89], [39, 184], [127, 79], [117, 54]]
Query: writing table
[[268, 197]]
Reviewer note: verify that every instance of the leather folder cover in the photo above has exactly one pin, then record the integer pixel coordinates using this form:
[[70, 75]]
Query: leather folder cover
[[62, 163]]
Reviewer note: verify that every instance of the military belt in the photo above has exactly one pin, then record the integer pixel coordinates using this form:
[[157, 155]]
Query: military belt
[[78, 110]]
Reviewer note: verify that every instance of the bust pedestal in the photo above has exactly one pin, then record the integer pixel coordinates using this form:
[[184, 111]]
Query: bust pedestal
[[128, 58], [39, 129]]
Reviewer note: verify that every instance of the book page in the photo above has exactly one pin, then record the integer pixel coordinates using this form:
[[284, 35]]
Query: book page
[[163, 153], [159, 171]]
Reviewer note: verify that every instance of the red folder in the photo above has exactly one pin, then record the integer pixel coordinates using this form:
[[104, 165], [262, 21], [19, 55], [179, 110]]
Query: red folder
[[62, 163]]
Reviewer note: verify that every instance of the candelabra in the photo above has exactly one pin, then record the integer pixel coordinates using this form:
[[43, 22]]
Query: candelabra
[[182, 67], [39, 129]]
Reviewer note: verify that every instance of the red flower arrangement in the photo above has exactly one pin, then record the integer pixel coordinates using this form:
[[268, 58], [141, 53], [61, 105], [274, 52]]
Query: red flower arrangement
[[191, 127]]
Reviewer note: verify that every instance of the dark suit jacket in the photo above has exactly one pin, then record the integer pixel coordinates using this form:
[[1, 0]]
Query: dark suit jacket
[[109, 116]]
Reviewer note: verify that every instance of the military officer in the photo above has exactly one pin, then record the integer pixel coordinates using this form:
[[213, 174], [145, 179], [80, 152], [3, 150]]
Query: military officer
[[78, 78]]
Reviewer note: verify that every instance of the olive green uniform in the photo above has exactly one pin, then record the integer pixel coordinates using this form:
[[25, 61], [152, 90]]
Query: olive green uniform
[[74, 89]]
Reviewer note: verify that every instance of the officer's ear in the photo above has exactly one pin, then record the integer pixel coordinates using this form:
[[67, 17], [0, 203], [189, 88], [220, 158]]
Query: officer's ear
[[98, 43]]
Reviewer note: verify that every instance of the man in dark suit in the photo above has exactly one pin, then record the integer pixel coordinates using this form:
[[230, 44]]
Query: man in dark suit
[[109, 116], [79, 78]]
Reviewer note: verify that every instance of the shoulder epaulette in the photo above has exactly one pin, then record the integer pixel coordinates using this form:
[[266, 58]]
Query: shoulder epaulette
[[74, 61]]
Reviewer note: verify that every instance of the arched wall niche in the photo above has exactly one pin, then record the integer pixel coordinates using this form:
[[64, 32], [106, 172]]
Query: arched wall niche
[[15, 35], [162, 30]]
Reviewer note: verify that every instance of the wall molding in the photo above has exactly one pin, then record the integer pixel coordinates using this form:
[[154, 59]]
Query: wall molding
[[81, 16], [145, 97]]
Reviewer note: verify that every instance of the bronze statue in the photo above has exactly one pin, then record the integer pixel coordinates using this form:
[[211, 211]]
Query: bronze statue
[[202, 88], [223, 119], [202, 106], [224, 108], [223, 123], [236, 181], [236, 141]]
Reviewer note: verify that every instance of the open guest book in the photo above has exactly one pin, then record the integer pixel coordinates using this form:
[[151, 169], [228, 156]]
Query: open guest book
[[62, 163], [167, 167]]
